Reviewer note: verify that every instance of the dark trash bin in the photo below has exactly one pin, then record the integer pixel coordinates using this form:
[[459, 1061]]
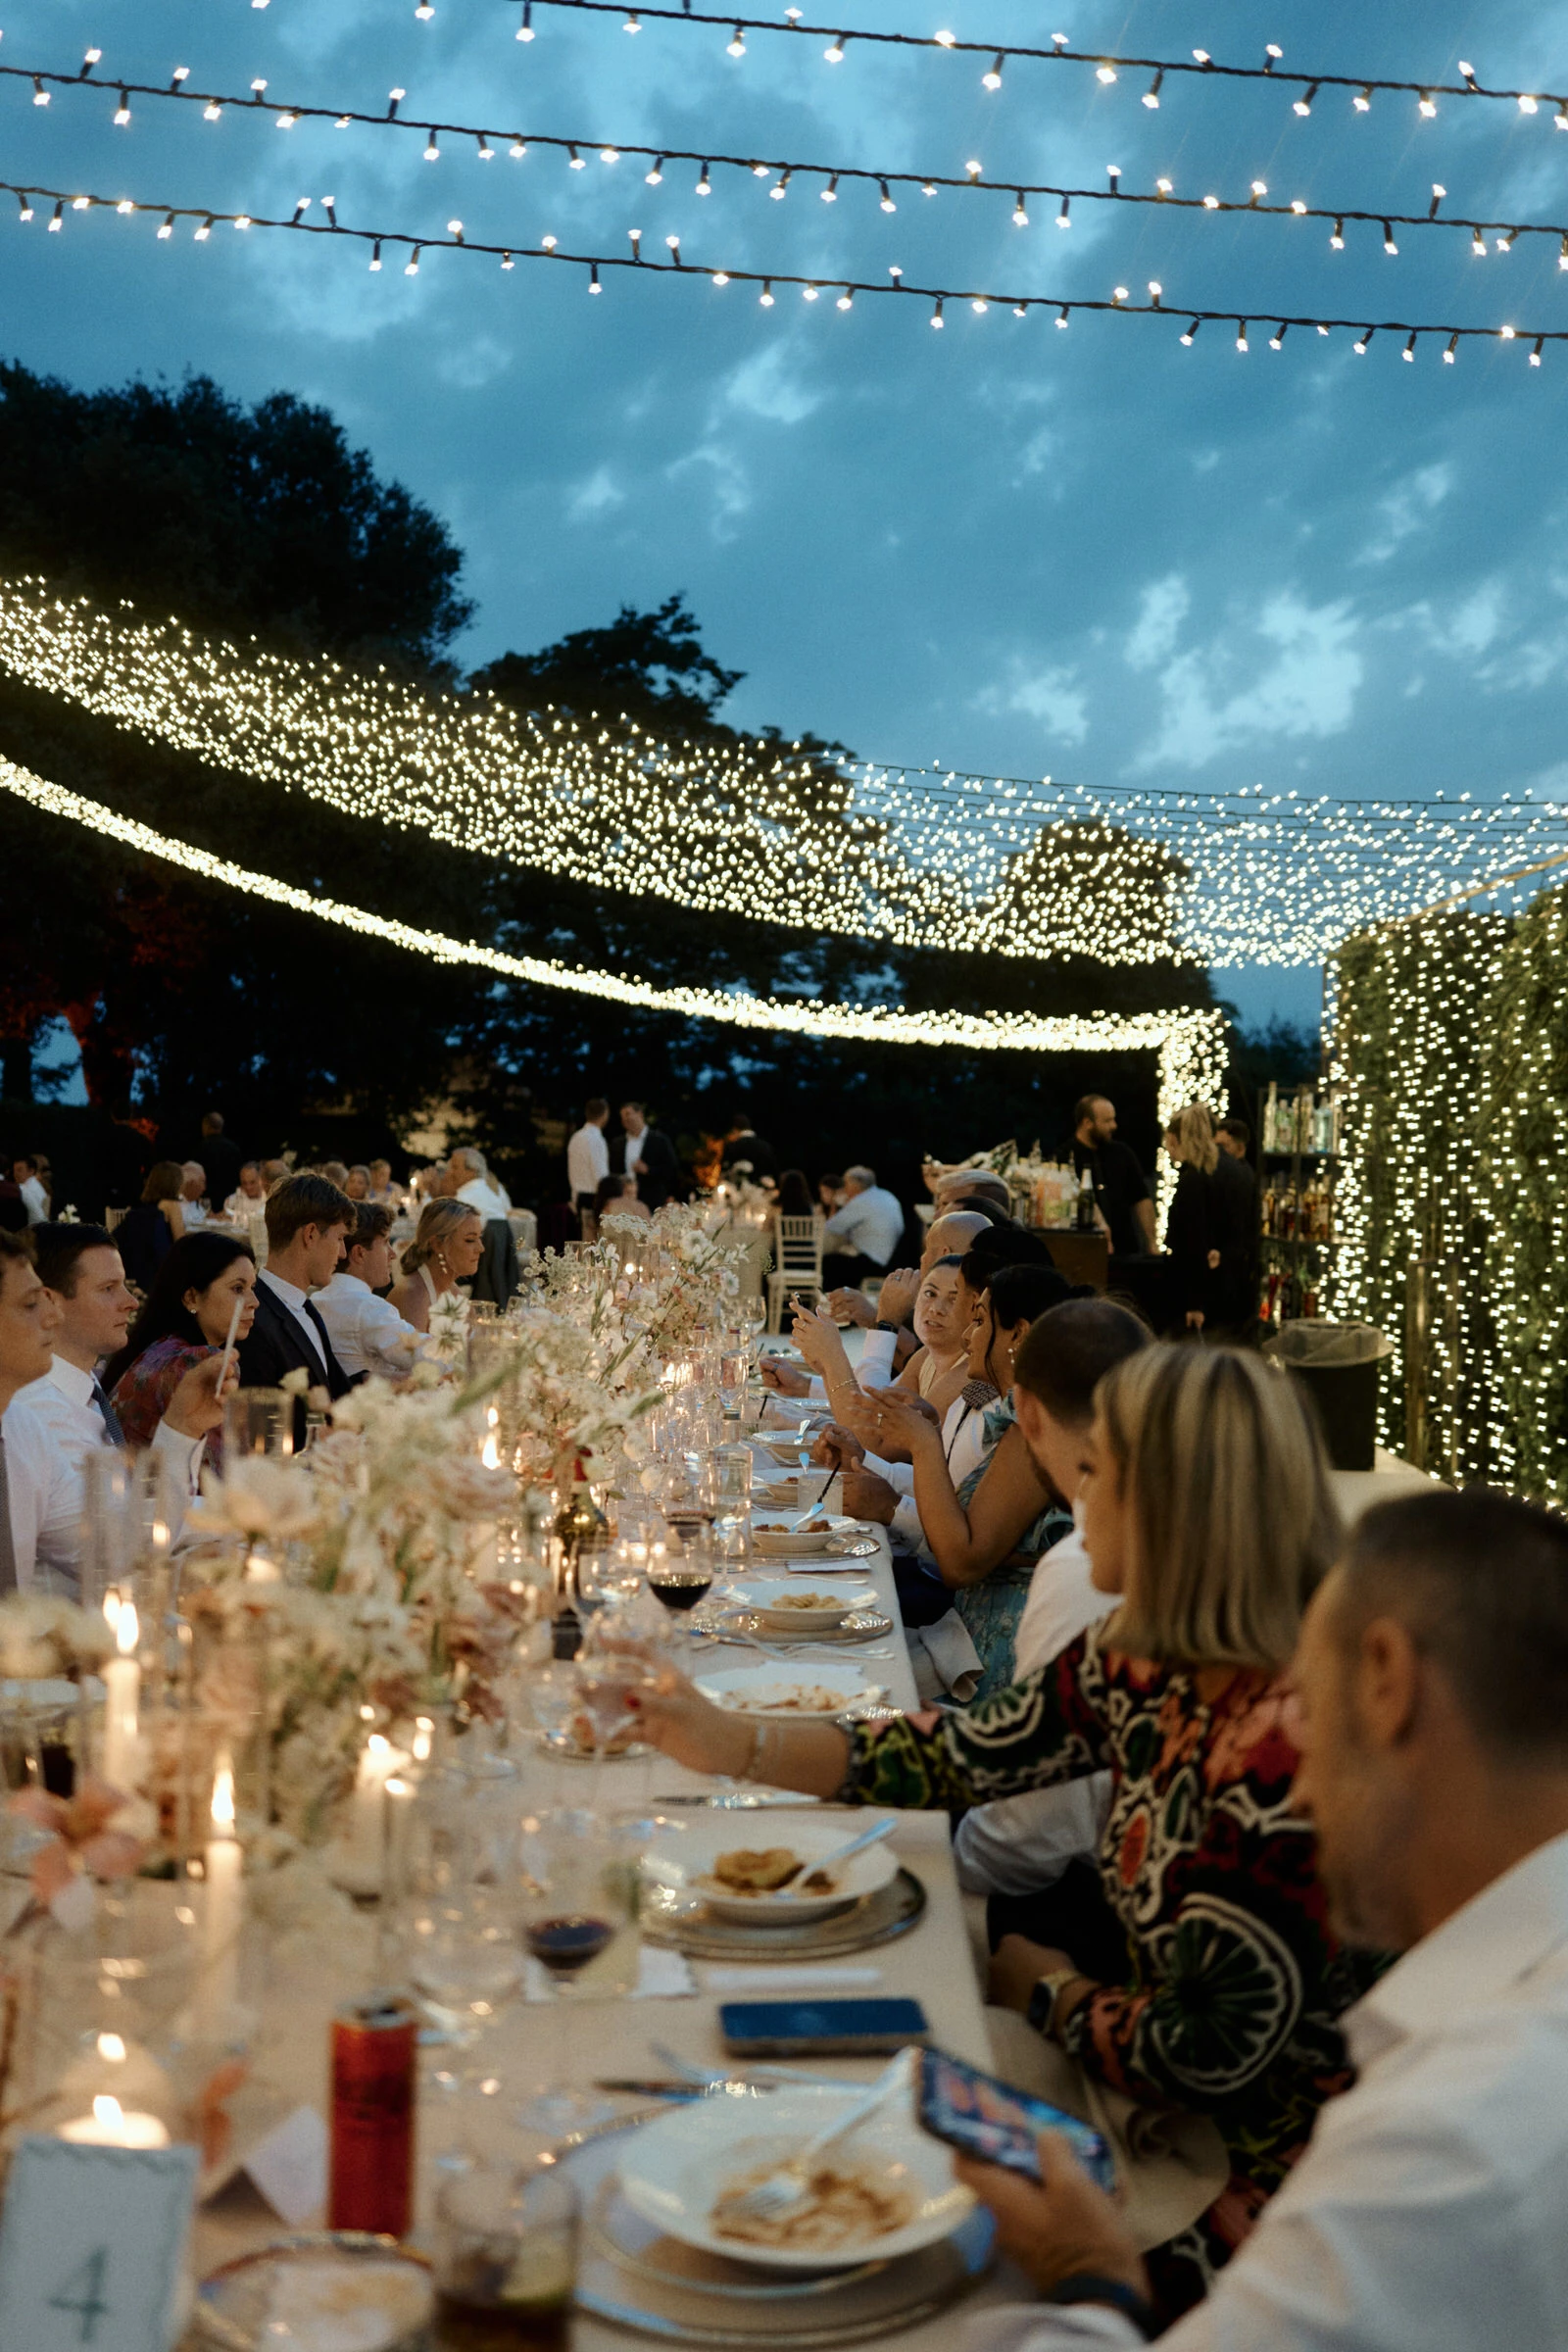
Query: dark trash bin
[[1338, 1364]]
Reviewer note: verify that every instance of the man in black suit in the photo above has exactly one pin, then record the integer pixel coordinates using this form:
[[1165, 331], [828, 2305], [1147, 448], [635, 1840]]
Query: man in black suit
[[642, 1151], [308, 1220]]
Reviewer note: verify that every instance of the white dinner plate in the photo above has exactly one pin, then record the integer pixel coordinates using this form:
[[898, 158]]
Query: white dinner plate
[[781, 1538], [758, 1689], [776, 1600], [684, 1863], [676, 2167]]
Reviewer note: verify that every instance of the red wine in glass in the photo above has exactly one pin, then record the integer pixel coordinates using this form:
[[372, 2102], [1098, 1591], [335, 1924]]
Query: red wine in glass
[[568, 1943], [679, 1588]]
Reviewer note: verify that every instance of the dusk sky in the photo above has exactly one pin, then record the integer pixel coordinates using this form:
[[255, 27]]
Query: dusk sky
[[1092, 554]]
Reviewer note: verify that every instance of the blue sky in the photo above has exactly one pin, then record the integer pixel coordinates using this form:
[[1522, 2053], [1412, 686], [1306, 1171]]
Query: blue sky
[[1092, 554]]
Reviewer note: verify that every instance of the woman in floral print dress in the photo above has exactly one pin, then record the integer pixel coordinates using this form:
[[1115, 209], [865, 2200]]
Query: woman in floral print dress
[[1207, 1508]]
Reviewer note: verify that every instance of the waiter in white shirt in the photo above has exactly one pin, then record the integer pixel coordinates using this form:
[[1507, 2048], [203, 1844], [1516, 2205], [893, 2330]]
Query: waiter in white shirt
[[29, 1183], [368, 1334], [588, 1155], [479, 1189], [1430, 2212], [52, 1407]]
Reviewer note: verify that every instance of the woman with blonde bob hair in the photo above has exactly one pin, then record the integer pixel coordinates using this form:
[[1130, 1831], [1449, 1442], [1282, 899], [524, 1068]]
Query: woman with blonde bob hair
[[1207, 1511], [1195, 1228], [447, 1247]]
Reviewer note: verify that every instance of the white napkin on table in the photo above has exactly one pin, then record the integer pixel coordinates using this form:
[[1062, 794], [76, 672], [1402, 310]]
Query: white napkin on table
[[660, 1976], [783, 1977]]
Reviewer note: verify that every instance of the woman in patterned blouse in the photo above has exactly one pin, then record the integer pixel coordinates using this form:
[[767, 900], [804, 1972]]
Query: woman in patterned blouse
[[186, 1318], [1207, 1508]]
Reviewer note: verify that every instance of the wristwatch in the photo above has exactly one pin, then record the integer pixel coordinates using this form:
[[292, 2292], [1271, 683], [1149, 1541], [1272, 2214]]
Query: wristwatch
[[1045, 1998], [894, 1327], [1084, 2286]]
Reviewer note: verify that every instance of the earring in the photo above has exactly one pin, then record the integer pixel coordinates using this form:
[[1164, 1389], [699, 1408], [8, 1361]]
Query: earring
[[441, 1262]]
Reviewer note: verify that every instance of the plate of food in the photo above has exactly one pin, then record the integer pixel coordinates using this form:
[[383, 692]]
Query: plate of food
[[762, 1880], [788, 1605], [787, 1540], [886, 2191], [822, 1689]]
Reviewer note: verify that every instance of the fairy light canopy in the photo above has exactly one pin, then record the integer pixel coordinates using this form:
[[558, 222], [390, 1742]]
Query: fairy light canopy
[[1028, 869]]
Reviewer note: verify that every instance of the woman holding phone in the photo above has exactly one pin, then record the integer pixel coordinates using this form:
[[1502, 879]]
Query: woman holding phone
[[190, 1315], [1207, 1514]]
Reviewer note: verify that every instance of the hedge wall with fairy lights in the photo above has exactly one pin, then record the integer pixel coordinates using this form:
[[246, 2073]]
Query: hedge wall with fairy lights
[[1451, 1049]]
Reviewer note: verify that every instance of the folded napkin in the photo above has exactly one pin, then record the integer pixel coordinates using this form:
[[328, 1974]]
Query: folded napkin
[[945, 1659], [783, 1977], [661, 1976]]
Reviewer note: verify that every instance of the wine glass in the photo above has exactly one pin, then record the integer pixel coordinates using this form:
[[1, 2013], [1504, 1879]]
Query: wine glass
[[577, 1907], [459, 1939]]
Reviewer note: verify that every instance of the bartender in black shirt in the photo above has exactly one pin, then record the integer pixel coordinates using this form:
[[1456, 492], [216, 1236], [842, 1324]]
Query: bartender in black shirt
[[1122, 1189]]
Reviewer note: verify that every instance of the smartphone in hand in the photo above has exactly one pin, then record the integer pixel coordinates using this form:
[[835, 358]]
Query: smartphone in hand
[[995, 2124]]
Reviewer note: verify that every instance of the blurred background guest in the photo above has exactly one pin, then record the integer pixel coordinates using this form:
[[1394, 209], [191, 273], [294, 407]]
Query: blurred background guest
[[381, 1186], [250, 1192], [194, 1199], [744, 1153], [148, 1232], [1197, 1225], [588, 1155], [477, 1186], [1122, 1189], [641, 1150], [357, 1187], [863, 1235], [218, 1157], [617, 1198], [27, 1174], [447, 1247], [795, 1195]]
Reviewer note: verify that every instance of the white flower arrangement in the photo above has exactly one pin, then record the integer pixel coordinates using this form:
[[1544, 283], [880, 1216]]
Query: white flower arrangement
[[447, 1340], [45, 1639]]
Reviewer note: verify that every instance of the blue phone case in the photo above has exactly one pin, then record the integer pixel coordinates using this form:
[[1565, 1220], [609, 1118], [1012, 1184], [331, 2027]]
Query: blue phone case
[[998, 2124], [806, 2028]]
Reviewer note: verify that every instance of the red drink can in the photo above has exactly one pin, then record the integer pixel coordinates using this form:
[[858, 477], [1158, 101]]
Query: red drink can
[[375, 2061]]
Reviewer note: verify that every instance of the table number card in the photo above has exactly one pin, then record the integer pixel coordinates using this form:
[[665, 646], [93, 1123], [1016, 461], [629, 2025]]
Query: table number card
[[91, 2242]]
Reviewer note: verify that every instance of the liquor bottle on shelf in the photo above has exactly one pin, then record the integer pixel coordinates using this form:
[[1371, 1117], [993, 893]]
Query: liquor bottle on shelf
[[1086, 1202]]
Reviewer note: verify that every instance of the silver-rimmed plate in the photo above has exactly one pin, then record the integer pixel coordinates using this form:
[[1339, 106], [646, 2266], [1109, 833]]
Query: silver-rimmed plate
[[670, 1918]]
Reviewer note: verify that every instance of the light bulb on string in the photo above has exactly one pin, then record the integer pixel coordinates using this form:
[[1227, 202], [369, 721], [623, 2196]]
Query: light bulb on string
[[1529, 105], [167, 226], [992, 79], [1241, 343], [888, 205], [846, 301], [935, 316], [810, 293], [1478, 245], [1151, 94], [486, 151], [1303, 105], [41, 96], [1364, 340], [737, 45], [212, 111], [506, 262], [673, 244], [704, 185], [433, 150], [1259, 191], [122, 110], [1450, 350], [1535, 356], [721, 277], [980, 306], [609, 155], [57, 217], [1020, 212], [1427, 106], [526, 28], [1105, 71], [1271, 56], [636, 237], [1438, 191], [1157, 292], [1276, 341], [594, 288], [1064, 217], [1336, 240], [1063, 315], [204, 229], [1191, 335], [830, 194], [1408, 351], [834, 52], [765, 298], [411, 268], [655, 172], [781, 188], [1390, 245]]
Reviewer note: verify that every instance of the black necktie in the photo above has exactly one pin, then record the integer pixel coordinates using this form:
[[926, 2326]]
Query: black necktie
[[321, 1332], [111, 1419]]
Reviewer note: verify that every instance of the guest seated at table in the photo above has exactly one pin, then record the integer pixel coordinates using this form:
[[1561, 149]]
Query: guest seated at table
[[1207, 1509], [830, 1194], [447, 1247], [861, 1238], [357, 1187], [795, 1195], [947, 1237], [381, 1185], [336, 1172], [308, 1221], [249, 1197], [1036, 1857], [194, 1205], [185, 1320], [1431, 2208], [274, 1171], [943, 1311], [145, 1236], [617, 1197], [366, 1331], [477, 1186]]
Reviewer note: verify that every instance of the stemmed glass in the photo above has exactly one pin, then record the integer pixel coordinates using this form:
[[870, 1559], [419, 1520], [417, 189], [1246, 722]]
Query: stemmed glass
[[459, 1934], [579, 1878]]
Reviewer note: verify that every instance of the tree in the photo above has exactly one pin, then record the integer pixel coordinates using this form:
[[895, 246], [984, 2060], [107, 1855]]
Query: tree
[[238, 520], [647, 667]]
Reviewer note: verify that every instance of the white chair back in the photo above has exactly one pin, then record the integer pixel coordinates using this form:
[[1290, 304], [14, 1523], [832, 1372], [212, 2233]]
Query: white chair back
[[798, 1247], [114, 1217]]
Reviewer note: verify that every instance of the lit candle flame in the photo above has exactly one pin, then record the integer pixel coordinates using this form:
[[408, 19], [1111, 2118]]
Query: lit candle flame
[[127, 1629], [224, 1800], [108, 2112], [111, 2049]]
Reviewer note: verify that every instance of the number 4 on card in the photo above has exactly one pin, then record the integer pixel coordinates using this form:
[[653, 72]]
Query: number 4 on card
[[91, 2243]]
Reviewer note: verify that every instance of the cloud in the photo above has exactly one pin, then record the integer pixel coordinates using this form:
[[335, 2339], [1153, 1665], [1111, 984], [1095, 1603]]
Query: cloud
[[1405, 509], [595, 496], [762, 387], [1052, 696], [1307, 688], [728, 482], [1161, 609]]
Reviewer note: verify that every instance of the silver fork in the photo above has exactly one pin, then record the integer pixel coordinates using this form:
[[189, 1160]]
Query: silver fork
[[779, 2195]]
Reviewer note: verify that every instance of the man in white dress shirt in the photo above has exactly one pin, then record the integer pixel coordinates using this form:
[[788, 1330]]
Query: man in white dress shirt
[[1430, 2212], [24, 1171], [368, 1334], [478, 1187], [588, 1155], [49, 1411], [863, 1235]]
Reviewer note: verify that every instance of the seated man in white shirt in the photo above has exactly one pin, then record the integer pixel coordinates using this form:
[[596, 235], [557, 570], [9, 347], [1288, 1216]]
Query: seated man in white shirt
[[477, 1186], [194, 1205], [863, 1235], [368, 1334], [24, 1171], [249, 1197], [1430, 2212], [49, 1416]]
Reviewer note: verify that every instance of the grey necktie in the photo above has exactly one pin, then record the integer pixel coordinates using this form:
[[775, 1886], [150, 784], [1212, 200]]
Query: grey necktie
[[8, 1549]]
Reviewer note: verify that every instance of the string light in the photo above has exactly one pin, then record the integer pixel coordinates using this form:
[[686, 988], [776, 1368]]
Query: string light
[[1107, 68], [1189, 1041], [999, 864], [549, 247], [881, 180]]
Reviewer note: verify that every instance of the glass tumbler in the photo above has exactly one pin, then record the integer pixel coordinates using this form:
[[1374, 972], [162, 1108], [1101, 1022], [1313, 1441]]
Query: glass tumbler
[[505, 2258]]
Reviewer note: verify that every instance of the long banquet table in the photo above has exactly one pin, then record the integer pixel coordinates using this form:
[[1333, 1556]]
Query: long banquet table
[[931, 1962]]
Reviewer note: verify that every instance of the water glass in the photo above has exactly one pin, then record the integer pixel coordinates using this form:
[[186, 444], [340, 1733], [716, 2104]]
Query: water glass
[[258, 1421], [727, 1491], [505, 2258]]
